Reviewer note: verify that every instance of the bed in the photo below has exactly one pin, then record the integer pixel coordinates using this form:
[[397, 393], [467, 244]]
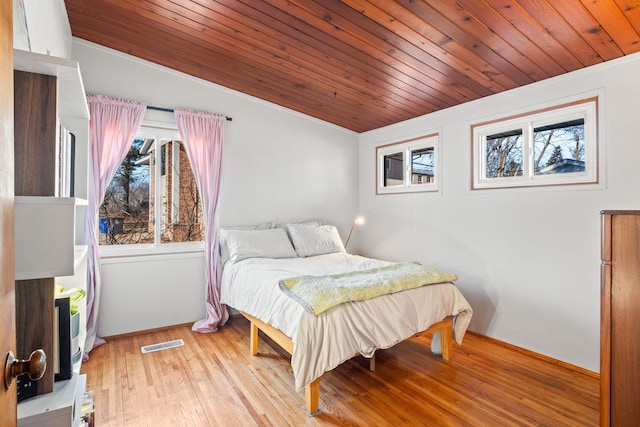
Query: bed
[[258, 261]]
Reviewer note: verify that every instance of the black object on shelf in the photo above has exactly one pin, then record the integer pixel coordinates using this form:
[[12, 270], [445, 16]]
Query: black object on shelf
[[26, 387], [63, 368]]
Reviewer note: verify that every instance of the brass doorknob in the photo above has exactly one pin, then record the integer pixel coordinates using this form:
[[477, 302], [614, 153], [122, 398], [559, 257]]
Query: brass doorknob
[[34, 367]]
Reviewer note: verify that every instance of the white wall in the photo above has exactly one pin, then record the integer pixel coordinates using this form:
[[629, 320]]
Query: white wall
[[528, 260], [141, 293], [48, 25], [277, 165]]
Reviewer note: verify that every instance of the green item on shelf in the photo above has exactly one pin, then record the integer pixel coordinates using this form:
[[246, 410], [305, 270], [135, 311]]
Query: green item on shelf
[[74, 294]]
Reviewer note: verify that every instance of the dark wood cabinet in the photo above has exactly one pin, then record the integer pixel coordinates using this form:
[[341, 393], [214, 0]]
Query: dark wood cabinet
[[620, 319]]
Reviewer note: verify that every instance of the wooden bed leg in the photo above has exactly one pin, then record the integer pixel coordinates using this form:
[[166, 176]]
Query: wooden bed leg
[[312, 397], [372, 363], [446, 339], [253, 338]]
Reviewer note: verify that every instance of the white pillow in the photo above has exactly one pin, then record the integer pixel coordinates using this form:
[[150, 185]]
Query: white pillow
[[310, 240], [271, 243], [314, 222], [224, 250]]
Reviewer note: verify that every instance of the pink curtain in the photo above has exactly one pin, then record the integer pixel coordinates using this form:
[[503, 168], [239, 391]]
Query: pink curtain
[[113, 125], [202, 135]]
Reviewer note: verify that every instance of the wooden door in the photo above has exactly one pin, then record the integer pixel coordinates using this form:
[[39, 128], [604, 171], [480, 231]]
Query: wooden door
[[8, 398]]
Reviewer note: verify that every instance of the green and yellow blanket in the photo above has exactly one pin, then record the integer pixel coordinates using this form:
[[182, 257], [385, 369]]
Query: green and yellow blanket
[[319, 293]]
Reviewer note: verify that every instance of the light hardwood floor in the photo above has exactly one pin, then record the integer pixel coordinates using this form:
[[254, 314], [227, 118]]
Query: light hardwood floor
[[214, 381]]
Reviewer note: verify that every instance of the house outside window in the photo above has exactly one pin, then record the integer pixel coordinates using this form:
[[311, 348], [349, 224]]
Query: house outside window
[[408, 166], [556, 146], [153, 201]]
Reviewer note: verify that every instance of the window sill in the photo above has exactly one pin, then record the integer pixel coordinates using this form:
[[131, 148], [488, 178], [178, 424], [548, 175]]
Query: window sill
[[120, 252]]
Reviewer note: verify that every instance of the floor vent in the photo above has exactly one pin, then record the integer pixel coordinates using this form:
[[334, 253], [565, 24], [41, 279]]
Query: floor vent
[[161, 346]]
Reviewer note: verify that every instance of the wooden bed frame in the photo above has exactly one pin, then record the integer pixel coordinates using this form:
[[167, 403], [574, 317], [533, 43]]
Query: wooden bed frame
[[312, 391]]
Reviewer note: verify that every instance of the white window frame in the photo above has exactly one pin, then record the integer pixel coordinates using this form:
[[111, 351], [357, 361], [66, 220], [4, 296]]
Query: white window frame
[[175, 180], [162, 133], [586, 109], [406, 147]]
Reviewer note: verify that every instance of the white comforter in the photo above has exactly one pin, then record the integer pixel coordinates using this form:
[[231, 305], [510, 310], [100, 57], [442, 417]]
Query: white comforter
[[320, 343]]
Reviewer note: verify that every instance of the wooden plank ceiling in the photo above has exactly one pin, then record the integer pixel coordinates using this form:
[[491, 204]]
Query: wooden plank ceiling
[[363, 64]]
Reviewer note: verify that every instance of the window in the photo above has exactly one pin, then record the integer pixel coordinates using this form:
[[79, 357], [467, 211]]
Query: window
[[153, 200], [550, 147], [408, 166]]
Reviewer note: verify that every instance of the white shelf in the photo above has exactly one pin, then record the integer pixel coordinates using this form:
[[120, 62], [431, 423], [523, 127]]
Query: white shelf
[[44, 236], [72, 101], [60, 408]]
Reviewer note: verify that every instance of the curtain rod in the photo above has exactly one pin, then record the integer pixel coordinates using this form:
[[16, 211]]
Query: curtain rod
[[169, 110]]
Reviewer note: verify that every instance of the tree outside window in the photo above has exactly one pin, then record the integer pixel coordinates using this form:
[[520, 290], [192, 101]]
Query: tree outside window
[[154, 185], [550, 147]]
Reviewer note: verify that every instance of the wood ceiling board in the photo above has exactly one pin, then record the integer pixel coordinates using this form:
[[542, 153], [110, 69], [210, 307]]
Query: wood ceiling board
[[364, 64]]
